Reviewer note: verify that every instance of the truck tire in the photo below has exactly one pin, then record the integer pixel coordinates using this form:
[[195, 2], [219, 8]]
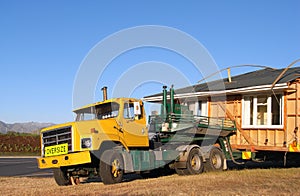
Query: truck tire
[[61, 176], [215, 162], [111, 167], [194, 164]]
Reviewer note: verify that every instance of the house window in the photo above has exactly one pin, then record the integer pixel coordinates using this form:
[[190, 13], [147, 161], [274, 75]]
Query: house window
[[263, 111], [199, 108], [202, 109]]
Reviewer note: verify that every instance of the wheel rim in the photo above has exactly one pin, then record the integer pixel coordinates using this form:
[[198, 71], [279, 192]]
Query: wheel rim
[[196, 162], [216, 161], [115, 168]]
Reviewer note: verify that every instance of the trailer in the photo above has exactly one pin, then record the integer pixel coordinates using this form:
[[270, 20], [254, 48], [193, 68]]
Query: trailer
[[264, 104], [111, 138]]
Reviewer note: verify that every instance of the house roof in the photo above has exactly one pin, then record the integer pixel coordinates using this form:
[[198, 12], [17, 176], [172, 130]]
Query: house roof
[[251, 79]]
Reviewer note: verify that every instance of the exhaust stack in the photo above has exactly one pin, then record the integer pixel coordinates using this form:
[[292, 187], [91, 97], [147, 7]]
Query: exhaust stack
[[104, 89], [164, 105], [172, 105]]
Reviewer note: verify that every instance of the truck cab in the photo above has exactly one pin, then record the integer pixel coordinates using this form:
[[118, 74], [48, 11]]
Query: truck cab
[[97, 127], [119, 120]]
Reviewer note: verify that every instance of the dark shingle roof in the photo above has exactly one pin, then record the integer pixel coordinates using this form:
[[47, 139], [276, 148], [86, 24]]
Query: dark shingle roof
[[256, 78]]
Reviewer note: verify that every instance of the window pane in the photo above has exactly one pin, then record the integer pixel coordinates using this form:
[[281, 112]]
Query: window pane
[[251, 110], [276, 114], [262, 110], [248, 110], [85, 114], [107, 110], [128, 111], [202, 108], [199, 113]]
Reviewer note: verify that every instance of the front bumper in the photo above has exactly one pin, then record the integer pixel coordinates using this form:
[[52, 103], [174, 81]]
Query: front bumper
[[64, 160]]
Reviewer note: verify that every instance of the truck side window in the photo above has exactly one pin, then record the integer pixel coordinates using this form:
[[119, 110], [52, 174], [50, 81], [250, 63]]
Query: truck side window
[[107, 110], [128, 111]]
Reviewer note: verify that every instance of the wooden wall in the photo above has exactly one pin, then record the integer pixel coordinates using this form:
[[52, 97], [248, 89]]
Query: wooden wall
[[293, 110], [261, 139]]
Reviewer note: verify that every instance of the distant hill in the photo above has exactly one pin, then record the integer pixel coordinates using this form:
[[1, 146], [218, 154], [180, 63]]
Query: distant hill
[[28, 127]]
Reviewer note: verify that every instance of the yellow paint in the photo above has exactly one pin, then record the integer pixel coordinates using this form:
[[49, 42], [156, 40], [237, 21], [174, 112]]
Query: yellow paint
[[56, 150], [135, 132], [129, 132], [294, 148], [64, 160], [246, 155]]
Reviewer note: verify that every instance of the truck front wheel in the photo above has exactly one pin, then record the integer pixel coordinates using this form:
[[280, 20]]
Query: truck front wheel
[[111, 167], [61, 176]]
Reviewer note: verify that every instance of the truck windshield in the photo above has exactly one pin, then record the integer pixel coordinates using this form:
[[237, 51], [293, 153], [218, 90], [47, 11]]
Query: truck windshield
[[85, 114], [101, 111], [107, 110]]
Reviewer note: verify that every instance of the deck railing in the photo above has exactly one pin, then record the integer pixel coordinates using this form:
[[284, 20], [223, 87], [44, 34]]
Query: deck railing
[[156, 122]]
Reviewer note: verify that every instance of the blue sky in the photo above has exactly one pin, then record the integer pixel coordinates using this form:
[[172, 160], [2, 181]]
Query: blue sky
[[43, 43]]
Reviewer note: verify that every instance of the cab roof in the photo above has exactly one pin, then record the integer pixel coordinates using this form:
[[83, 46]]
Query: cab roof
[[117, 100]]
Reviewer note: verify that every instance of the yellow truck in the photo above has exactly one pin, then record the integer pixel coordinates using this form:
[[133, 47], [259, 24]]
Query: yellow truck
[[112, 138]]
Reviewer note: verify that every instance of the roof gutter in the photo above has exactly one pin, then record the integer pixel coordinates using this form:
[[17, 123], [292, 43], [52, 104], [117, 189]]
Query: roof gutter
[[261, 88]]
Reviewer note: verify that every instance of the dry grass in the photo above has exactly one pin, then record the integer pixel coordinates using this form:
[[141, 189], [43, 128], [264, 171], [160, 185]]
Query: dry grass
[[242, 182]]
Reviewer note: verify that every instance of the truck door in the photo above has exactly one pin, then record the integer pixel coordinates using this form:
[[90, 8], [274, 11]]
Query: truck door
[[134, 128]]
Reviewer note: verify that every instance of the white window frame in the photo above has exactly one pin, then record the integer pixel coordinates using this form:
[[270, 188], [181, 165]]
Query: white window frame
[[204, 108], [246, 118]]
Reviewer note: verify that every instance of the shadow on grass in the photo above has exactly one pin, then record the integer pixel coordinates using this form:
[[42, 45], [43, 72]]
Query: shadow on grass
[[133, 176], [277, 162]]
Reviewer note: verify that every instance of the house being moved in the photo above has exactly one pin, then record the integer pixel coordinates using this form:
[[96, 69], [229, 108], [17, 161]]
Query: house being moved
[[265, 105]]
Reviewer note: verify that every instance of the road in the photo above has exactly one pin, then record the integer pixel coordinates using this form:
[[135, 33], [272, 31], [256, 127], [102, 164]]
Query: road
[[22, 166], [27, 167]]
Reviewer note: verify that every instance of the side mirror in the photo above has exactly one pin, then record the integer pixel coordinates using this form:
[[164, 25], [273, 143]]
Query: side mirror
[[137, 109]]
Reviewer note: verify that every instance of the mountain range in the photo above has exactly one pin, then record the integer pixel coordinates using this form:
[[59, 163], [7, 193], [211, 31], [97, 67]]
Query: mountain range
[[27, 127]]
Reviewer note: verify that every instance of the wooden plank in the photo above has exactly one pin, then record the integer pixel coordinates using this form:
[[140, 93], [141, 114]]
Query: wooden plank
[[285, 118], [238, 126], [276, 138], [259, 148]]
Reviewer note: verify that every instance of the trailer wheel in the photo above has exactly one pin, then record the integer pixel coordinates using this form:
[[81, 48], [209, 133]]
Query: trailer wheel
[[61, 176], [215, 161], [194, 164], [111, 167]]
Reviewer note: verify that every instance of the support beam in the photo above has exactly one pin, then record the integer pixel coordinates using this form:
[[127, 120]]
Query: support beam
[[238, 126]]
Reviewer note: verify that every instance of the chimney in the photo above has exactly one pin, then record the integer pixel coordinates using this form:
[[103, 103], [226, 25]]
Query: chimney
[[104, 89]]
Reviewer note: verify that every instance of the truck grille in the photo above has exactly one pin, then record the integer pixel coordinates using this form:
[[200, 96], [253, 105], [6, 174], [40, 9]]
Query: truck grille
[[58, 136]]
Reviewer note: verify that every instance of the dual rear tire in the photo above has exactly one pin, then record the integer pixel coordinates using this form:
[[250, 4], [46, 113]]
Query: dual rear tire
[[195, 165], [215, 161]]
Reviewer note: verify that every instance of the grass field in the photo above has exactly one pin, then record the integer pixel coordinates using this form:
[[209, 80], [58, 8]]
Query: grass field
[[236, 182]]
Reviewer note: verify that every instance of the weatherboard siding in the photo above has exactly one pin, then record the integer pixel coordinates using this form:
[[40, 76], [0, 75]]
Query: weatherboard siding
[[293, 109], [270, 139]]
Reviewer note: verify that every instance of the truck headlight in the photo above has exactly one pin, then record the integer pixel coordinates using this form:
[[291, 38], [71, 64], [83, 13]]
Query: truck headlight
[[86, 142]]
